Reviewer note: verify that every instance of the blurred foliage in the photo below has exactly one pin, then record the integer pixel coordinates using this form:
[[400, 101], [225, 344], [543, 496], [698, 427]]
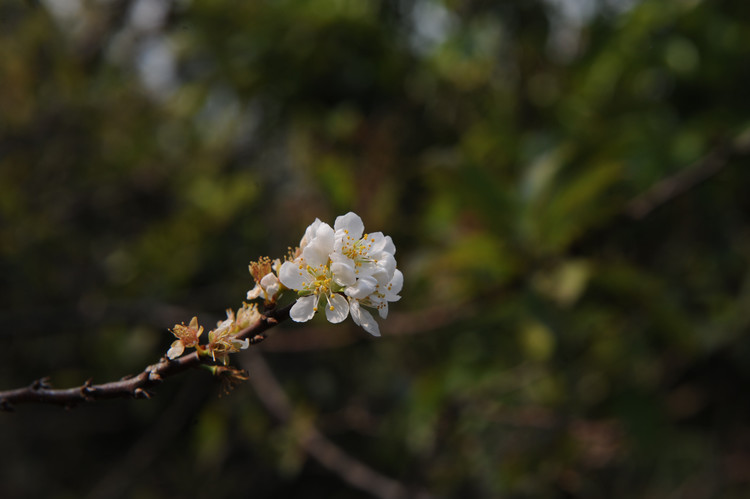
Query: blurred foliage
[[548, 343]]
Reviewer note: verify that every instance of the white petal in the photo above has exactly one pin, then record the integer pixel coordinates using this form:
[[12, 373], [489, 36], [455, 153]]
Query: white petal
[[387, 262], [364, 318], [176, 349], [276, 265], [309, 233], [383, 310], [338, 310], [292, 276], [354, 309], [316, 253], [338, 256], [394, 287], [304, 309], [224, 325], [254, 293], [350, 225], [343, 273], [380, 275], [273, 290], [376, 240], [241, 344], [269, 280], [270, 284], [340, 244], [365, 268], [362, 289], [389, 246]]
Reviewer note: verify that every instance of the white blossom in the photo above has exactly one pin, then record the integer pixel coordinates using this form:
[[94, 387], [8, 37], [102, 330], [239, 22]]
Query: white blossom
[[363, 318], [267, 284], [366, 253], [313, 278], [187, 336], [369, 293], [346, 269], [268, 287]]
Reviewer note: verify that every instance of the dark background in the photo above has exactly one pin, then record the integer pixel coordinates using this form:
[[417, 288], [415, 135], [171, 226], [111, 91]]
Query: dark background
[[566, 183]]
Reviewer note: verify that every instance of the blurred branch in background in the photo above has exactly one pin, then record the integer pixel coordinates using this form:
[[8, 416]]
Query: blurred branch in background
[[123, 473], [689, 177], [317, 445]]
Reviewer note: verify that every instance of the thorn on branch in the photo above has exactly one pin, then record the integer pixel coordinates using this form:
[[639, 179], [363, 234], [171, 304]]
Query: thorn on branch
[[270, 320], [87, 391], [140, 393], [42, 383], [153, 371], [257, 338]]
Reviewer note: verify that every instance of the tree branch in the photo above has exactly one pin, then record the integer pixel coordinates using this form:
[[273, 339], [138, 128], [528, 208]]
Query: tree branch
[[700, 171], [318, 446], [40, 391], [671, 187]]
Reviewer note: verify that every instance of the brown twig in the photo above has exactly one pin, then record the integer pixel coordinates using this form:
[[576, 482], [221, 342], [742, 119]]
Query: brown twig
[[136, 386]]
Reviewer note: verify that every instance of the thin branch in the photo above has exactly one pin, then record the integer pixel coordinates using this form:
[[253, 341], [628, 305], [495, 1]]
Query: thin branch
[[671, 187], [700, 171], [136, 386], [318, 446], [666, 190]]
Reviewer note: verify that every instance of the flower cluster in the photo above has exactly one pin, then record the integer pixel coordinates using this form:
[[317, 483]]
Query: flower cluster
[[345, 270], [221, 341], [340, 267]]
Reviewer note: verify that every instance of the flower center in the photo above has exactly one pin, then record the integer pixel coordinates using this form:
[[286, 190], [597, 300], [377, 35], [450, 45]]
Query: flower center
[[321, 285], [359, 250]]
